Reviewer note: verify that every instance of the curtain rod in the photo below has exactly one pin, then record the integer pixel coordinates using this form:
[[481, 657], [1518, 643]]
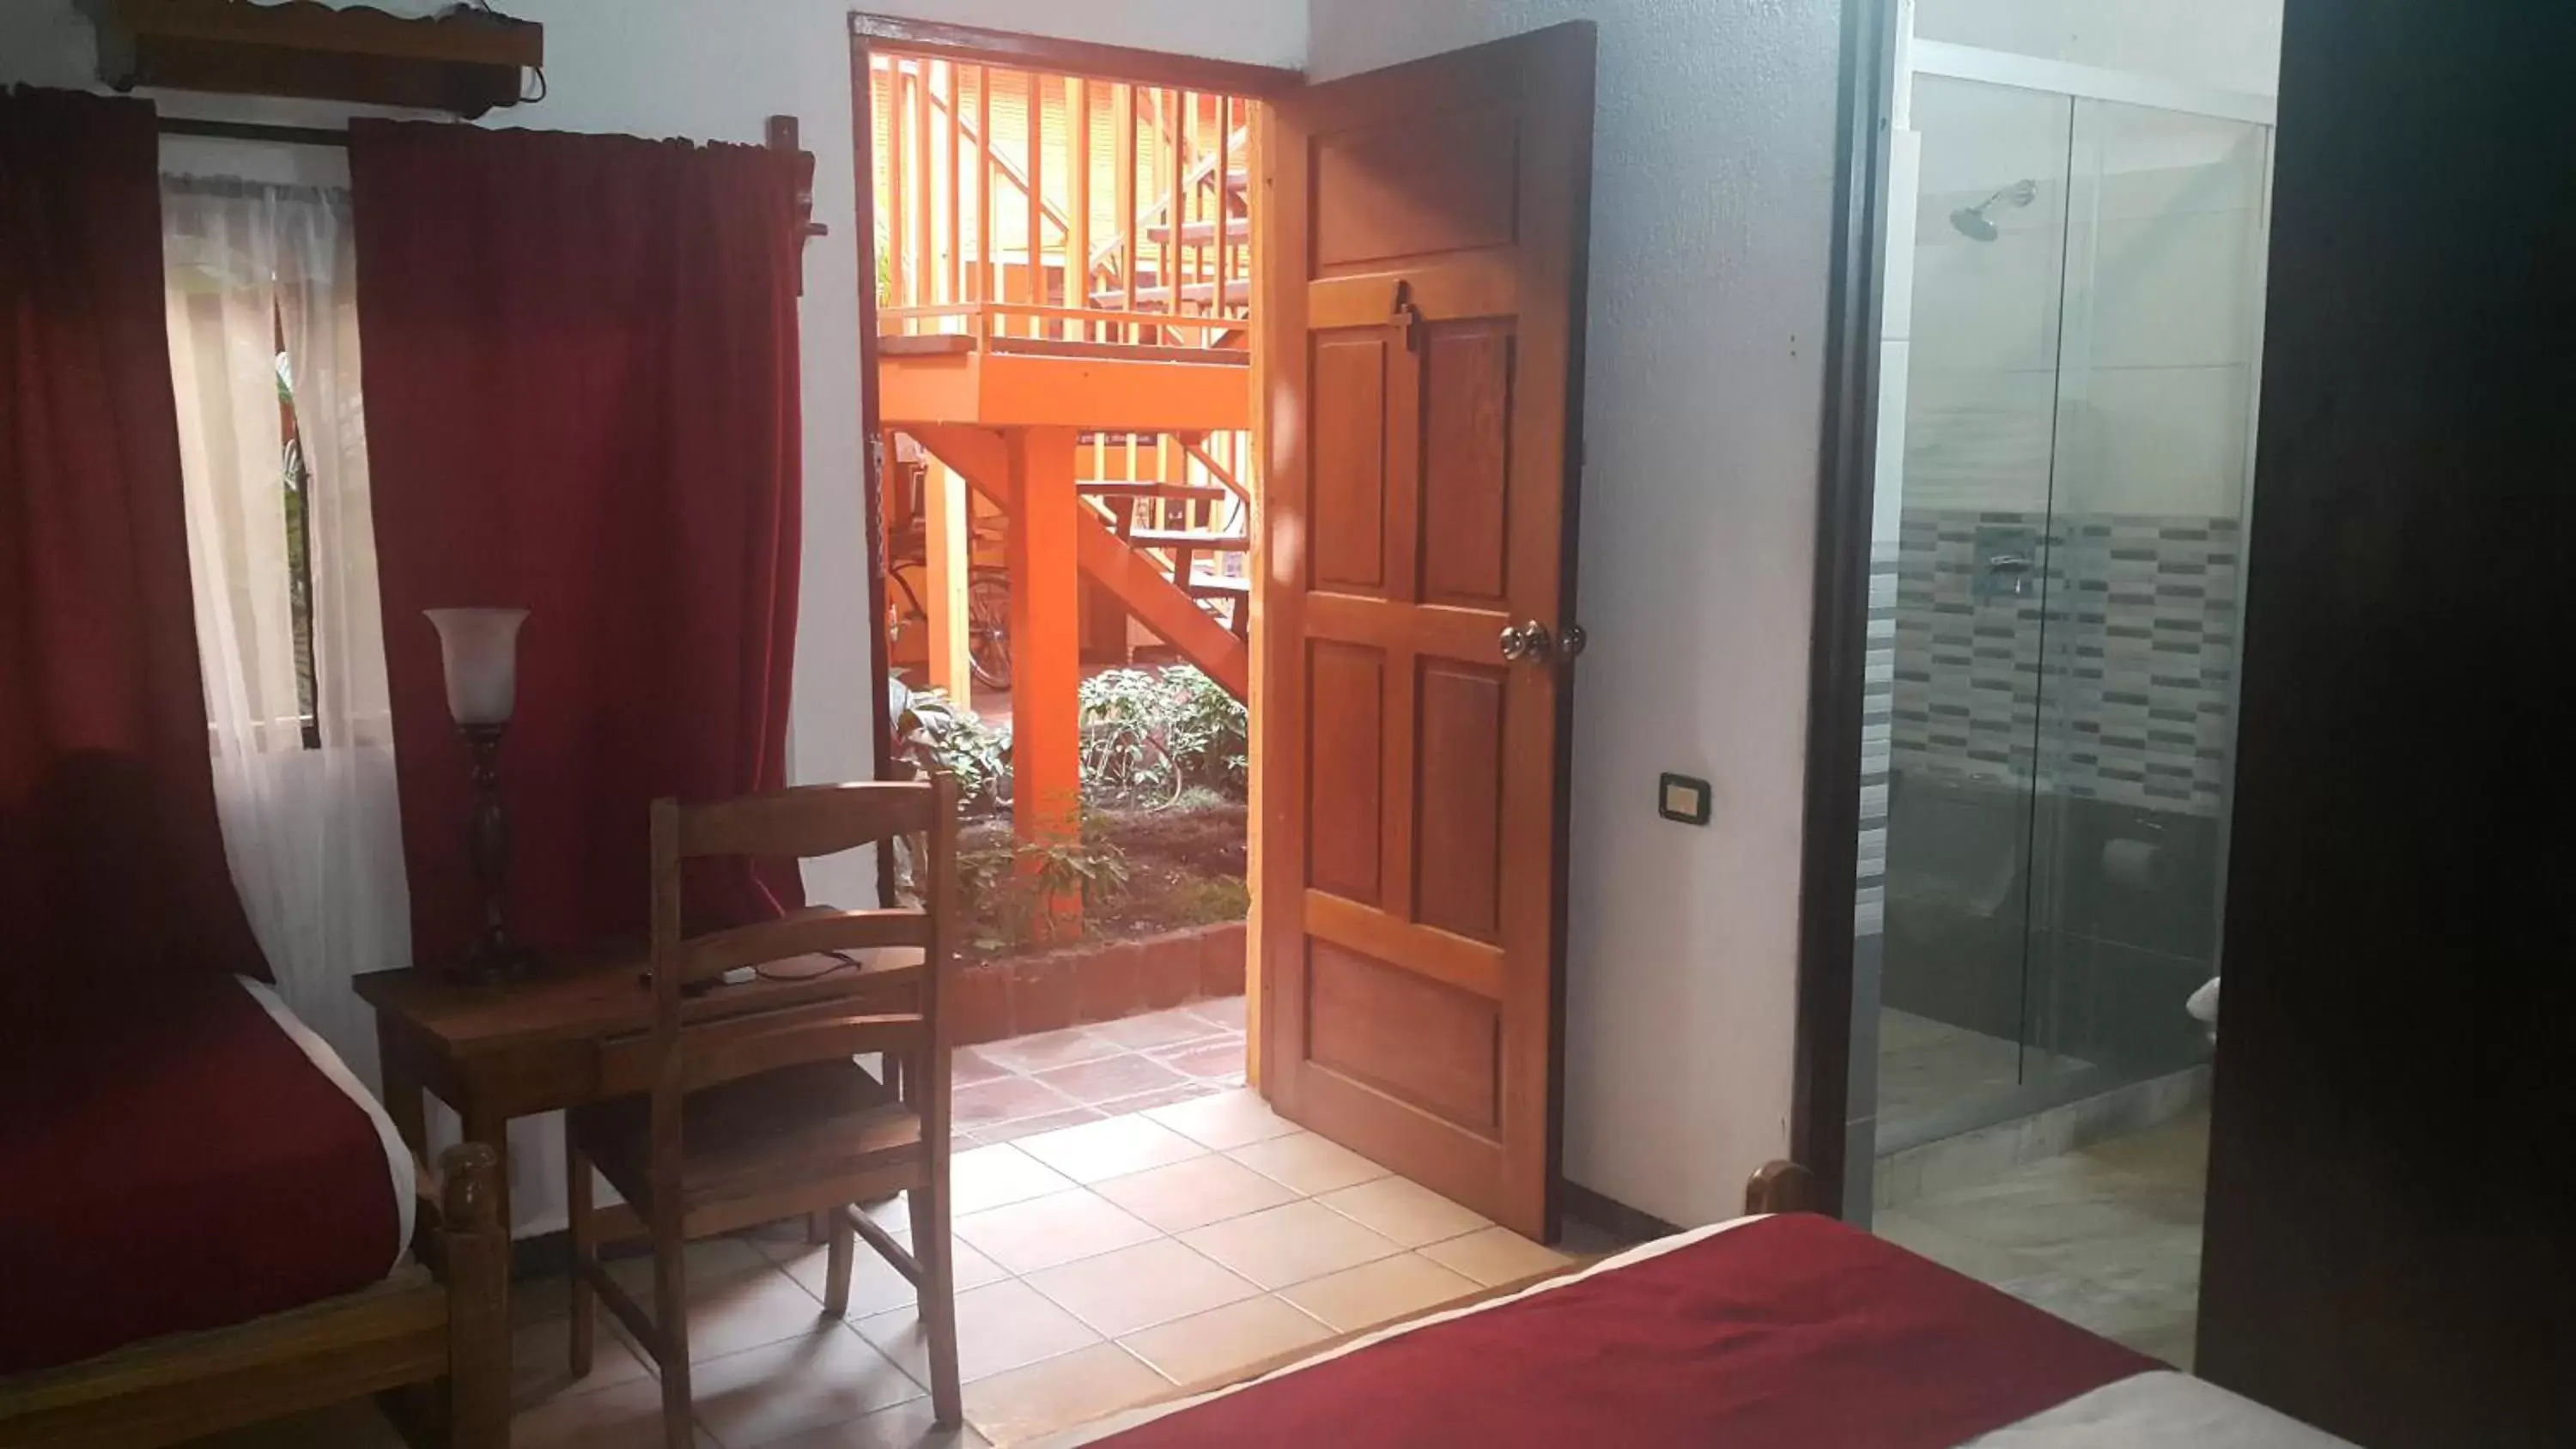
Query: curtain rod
[[249, 131]]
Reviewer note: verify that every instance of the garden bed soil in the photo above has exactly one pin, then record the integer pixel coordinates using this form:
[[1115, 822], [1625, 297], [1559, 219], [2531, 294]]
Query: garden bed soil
[[1185, 868]]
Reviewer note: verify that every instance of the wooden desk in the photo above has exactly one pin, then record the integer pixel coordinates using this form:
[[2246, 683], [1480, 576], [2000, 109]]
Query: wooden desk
[[554, 1041]]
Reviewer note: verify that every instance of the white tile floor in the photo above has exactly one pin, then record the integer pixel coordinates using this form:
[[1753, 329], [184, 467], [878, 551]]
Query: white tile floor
[[1099, 1266]]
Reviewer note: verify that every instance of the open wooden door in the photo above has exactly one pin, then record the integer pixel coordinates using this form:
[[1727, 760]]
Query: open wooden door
[[1422, 277]]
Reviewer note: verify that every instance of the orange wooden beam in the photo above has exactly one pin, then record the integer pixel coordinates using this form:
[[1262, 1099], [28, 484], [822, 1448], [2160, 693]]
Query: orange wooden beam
[[984, 457], [1167, 611], [1046, 643]]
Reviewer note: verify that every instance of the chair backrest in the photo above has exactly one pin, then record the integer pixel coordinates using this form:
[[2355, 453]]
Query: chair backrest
[[806, 821]]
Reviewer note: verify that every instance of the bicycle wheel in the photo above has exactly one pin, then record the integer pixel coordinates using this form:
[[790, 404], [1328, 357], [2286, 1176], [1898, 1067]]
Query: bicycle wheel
[[988, 626]]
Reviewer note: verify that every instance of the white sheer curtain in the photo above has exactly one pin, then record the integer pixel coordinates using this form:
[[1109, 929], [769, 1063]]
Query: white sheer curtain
[[311, 826]]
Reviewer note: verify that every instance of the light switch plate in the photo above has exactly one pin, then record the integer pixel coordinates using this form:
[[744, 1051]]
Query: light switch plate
[[1684, 798]]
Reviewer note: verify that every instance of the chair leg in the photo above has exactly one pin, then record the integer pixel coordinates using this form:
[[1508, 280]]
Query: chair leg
[[585, 1257], [839, 1248], [671, 1318], [930, 1247]]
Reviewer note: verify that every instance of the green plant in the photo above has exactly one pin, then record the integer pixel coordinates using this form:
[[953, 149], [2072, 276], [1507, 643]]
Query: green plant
[[1149, 734], [931, 732], [1210, 732], [1209, 901], [1006, 890]]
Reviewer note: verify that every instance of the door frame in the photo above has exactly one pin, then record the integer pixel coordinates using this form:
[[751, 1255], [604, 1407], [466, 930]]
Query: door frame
[[974, 44], [1838, 644]]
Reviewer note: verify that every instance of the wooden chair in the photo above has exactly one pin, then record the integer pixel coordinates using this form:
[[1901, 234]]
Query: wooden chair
[[763, 1117]]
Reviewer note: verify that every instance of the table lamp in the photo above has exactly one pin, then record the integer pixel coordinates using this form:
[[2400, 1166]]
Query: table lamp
[[480, 649]]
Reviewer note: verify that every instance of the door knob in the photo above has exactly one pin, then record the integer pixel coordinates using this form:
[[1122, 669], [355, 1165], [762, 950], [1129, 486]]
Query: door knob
[[1570, 643], [1525, 641]]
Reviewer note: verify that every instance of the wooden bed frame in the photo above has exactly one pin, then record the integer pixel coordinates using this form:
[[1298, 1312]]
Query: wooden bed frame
[[434, 1340]]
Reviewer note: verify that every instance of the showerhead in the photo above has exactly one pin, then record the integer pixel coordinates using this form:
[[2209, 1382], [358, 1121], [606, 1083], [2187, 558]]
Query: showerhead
[[1975, 223]]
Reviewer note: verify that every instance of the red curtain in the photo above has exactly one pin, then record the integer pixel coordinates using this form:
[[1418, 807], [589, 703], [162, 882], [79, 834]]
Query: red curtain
[[112, 869], [581, 376]]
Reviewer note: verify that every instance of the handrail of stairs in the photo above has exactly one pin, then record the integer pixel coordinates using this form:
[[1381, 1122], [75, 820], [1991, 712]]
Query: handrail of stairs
[[1105, 254]]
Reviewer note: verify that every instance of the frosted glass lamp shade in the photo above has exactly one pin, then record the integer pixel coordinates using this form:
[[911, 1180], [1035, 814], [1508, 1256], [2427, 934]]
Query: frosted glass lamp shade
[[481, 651]]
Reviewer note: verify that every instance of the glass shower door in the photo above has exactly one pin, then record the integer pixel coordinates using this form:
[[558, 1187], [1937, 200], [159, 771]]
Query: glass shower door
[[1981, 411], [2162, 314]]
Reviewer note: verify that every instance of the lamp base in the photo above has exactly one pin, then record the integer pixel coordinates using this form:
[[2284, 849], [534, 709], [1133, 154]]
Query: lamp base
[[491, 962]]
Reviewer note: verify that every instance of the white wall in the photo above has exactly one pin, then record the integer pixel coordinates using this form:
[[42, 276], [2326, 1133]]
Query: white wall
[[2231, 44], [1713, 164]]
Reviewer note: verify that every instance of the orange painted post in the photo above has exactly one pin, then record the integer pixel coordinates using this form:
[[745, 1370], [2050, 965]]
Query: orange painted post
[[1077, 175], [948, 528], [894, 186], [923, 268], [1046, 645]]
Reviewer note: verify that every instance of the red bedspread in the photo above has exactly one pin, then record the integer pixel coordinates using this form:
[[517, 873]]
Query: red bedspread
[[173, 1164], [1789, 1331]]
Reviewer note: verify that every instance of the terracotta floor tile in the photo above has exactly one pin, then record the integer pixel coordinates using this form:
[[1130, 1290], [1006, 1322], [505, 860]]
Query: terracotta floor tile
[[1019, 1128], [999, 1328], [1226, 1012], [627, 1416], [1379, 1292], [1203, 1347], [1136, 1288], [875, 1286], [967, 1066], [1161, 1097], [1220, 1061], [1289, 1244], [905, 1426], [1123, 1075], [759, 1397], [1308, 1164], [1048, 1049], [1404, 1210], [1195, 1193], [990, 1177], [1060, 1393], [1155, 1030], [1004, 1099], [1111, 1147], [731, 1310], [1495, 1256], [1225, 1120], [1045, 1231], [541, 1360]]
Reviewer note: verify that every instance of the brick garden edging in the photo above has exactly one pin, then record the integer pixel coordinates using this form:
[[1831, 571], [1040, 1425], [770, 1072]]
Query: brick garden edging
[[1105, 981]]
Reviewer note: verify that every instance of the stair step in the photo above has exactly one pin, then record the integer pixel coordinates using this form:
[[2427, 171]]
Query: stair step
[[1168, 492], [1218, 586], [1187, 538], [1199, 233], [1237, 291]]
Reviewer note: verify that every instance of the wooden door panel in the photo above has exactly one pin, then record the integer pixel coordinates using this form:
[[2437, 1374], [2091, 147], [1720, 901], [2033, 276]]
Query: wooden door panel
[[1466, 391], [1469, 965], [1423, 1042], [1346, 687], [1416, 186], [1420, 303], [1348, 392]]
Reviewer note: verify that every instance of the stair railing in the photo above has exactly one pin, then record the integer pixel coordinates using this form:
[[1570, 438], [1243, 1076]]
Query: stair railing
[[931, 136]]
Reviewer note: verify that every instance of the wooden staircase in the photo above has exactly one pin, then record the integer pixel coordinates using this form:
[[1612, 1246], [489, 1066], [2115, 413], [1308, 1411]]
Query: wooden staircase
[[1182, 570]]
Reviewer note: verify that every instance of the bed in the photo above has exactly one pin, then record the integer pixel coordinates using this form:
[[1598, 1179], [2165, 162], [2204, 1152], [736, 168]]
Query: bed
[[209, 1221], [1784, 1329]]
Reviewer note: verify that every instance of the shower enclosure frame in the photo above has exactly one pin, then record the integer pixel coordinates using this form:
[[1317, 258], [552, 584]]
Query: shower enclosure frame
[[1834, 1122]]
